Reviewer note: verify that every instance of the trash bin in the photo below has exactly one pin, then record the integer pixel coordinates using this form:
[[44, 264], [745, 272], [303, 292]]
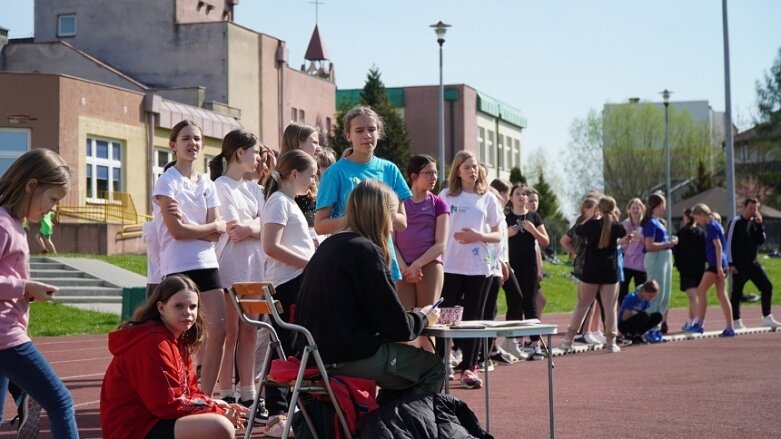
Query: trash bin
[[132, 298]]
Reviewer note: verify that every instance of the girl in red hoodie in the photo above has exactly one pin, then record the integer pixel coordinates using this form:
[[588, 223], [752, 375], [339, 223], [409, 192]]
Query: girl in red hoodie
[[150, 389]]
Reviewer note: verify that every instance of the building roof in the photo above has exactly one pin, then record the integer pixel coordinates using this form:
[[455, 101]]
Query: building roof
[[316, 50], [212, 124], [716, 199]]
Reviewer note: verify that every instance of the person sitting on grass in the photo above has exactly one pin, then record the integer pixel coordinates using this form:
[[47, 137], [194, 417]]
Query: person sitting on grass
[[150, 389], [633, 317]]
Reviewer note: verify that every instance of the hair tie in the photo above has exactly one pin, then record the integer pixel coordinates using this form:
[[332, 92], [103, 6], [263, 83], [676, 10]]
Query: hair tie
[[275, 175]]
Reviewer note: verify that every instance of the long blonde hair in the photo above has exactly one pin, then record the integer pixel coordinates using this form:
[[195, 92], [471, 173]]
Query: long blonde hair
[[606, 206], [369, 210], [454, 186]]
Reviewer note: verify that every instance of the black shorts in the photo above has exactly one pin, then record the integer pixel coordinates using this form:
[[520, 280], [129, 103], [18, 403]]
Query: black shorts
[[713, 269], [690, 281], [206, 279], [164, 429]]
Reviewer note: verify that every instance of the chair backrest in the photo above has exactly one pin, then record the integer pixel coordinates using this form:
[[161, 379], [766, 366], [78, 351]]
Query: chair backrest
[[250, 298], [269, 292]]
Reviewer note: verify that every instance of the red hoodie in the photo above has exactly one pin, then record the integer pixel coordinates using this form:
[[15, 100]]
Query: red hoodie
[[150, 378]]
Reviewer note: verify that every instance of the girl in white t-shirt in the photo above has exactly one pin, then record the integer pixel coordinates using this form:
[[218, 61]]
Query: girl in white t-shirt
[[474, 222], [287, 243], [239, 254], [187, 238]]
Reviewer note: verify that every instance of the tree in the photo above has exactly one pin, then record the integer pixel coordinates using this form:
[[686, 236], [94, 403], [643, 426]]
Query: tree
[[622, 148], [766, 144], [395, 144], [769, 98], [516, 176], [549, 209], [583, 158]]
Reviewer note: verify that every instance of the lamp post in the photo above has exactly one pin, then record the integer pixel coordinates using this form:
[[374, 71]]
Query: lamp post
[[667, 185], [440, 29]]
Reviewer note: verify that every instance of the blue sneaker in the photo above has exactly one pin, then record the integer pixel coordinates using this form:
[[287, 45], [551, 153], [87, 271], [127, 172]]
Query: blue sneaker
[[656, 336], [729, 332], [696, 328]]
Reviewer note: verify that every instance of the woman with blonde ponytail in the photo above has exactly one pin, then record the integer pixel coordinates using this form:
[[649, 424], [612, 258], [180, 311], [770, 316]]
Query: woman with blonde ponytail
[[600, 271]]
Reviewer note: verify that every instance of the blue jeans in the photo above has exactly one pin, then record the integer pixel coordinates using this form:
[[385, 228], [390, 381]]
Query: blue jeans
[[28, 369]]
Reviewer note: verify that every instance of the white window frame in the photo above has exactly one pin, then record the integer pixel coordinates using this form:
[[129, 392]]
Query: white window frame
[[481, 144], [60, 19], [13, 155], [158, 170], [111, 162], [491, 152]]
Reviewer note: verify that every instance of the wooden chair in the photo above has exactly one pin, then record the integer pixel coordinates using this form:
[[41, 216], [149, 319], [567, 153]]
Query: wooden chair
[[245, 296]]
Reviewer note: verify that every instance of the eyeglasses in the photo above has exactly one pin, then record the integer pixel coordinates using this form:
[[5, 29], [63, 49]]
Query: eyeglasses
[[429, 173]]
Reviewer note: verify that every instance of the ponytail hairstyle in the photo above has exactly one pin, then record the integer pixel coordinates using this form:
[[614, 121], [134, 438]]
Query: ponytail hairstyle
[[606, 205], [369, 210], [587, 203], [44, 166], [687, 213], [175, 133], [358, 111], [231, 143], [653, 202], [171, 285], [294, 134], [293, 160]]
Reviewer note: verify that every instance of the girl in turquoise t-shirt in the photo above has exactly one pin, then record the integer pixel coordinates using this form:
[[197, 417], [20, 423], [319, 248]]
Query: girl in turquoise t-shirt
[[363, 128]]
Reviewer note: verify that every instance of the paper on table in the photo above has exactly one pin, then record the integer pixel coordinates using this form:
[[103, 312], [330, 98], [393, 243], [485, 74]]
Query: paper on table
[[475, 324]]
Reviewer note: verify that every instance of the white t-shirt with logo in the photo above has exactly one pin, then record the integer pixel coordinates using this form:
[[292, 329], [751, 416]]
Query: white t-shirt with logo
[[478, 212], [195, 199], [281, 209], [241, 261]]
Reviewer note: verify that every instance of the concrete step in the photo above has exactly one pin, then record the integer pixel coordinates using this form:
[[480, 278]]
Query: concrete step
[[48, 266], [97, 292], [37, 274], [86, 282], [89, 299]]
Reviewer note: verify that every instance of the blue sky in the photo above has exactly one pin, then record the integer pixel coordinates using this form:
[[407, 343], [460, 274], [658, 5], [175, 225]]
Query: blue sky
[[552, 59]]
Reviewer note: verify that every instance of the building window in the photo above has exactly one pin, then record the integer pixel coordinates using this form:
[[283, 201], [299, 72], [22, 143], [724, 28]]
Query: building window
[[328, 126], [104, 168], [66, 25], [294, 114], [517, 153], [500, 151], [301, 116], [491, 148], [508, 153], [206, 160], [162, 158], [13, 143], [481, 144]]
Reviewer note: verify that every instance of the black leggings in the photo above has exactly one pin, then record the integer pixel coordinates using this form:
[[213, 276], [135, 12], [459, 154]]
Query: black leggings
[[639, 324], [756, 274], [471, 293]]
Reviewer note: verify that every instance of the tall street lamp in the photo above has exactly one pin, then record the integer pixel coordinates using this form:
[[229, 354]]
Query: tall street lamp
[[440, 29], [666, 97]]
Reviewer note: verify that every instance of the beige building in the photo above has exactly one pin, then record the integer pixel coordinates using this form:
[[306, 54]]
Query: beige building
[[103, 82]]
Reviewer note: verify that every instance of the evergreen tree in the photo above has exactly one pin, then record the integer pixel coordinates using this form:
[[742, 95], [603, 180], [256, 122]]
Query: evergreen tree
[[395, 143], [549, 202], [516, 176]]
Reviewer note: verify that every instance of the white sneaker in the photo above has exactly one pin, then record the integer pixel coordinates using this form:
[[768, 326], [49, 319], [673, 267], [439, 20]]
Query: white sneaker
[[600, 337], [511, 347], [455, 357], [770, 322], [738, 324], [566, 345], [592, 338], [612, 348]]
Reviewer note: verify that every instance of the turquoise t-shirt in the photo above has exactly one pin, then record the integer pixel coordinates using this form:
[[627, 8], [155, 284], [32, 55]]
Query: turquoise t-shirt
[[340, 178]]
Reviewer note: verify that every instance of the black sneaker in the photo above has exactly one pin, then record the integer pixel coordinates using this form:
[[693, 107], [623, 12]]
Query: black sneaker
[[230, 400], [29, 418], [664, 328], [750, 298], [501, 356], [261, 413], [580, 339]]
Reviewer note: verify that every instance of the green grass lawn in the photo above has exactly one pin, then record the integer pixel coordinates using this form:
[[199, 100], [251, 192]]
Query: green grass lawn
[[50, 319]]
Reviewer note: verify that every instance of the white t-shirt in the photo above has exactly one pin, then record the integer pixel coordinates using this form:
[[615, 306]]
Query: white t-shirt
[[499, 250], [242, 261], [150, 238], [478, 212], [194, 198], [281, 209]]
